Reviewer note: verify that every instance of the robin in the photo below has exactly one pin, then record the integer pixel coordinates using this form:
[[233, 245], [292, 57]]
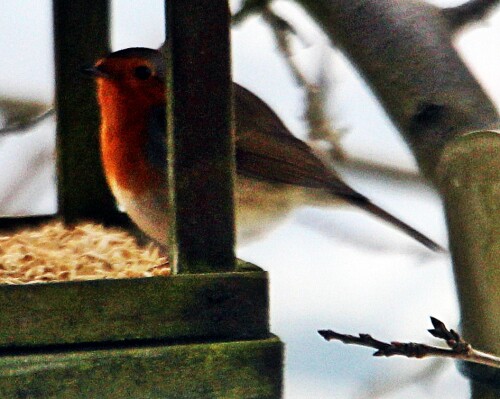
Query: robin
[[276, 172]]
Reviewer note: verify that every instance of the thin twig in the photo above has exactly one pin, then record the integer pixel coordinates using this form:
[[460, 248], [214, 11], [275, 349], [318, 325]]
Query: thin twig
[[282, 30], [21, 127], [467, 13], [459, 349], [320, 127], [356, 164]]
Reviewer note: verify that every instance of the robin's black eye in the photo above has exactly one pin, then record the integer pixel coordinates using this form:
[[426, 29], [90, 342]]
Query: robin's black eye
[[142, 72]]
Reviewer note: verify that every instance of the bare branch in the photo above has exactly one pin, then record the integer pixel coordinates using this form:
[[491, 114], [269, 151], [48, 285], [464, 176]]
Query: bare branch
[[320, 127], [467, 13], [320, 124], [282, 30], [357, 164], [20, 127], [459, 349], [431, 98]]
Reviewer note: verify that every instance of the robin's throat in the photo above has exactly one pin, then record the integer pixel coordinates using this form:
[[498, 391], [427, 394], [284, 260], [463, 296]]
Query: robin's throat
[[123, 139]]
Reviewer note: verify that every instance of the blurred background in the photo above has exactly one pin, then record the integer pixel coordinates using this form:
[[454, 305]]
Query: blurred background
[[337, 268]]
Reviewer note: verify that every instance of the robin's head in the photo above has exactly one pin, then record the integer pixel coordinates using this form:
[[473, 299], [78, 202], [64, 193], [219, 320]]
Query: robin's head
[[137, 72]]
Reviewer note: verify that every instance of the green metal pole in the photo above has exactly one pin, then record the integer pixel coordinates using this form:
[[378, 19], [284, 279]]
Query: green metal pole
[[201, 147], [81, 35]]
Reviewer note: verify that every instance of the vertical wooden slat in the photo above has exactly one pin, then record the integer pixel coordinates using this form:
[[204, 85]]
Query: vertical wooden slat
[[201, 148], [81, 35]]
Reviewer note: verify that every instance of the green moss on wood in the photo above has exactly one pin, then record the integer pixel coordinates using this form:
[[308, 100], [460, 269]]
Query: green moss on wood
[[230, 305], [201, 147], [81, 35], [229, 370]]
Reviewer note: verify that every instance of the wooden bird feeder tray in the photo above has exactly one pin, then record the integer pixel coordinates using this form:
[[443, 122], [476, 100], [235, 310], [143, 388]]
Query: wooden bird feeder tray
[[185, 335], [102, 309], [171, 327]]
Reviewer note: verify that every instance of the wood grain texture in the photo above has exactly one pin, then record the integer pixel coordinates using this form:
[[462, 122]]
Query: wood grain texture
[[212, 306]]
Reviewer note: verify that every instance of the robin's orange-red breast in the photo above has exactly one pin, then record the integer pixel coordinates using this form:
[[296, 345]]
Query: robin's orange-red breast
[[276, 171]]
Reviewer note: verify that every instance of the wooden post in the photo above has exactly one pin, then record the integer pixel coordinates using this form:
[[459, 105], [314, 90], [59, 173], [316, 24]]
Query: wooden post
[[81, 35], [190, 336], [469, 173], [201, 148]]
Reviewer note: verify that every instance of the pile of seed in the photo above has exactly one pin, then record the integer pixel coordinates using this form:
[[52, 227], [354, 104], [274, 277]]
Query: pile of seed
[[54, 252]]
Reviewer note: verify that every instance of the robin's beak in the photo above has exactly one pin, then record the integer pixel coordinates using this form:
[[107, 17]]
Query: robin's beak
[[94, 71]]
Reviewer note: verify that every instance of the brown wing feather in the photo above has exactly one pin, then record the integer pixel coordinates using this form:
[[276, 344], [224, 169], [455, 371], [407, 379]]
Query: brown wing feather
[[265, 149]]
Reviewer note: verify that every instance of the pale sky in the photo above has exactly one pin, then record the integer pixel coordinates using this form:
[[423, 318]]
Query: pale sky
[[329, 269]]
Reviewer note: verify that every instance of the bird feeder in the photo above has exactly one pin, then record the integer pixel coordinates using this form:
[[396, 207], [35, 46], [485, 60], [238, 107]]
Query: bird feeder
[[202, 332]]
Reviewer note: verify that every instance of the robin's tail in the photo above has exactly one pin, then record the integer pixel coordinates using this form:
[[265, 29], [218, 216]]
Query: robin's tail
[[365, 204]]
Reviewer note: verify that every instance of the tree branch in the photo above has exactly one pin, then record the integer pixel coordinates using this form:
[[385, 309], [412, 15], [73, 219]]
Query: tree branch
[[467, 13], [405, 52], [282, 29], [319, 124], [459, 349], [22, 126]]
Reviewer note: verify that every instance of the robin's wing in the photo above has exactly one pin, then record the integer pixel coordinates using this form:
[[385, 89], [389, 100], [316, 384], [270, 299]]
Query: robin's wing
[[265, 149], [156, 143]]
